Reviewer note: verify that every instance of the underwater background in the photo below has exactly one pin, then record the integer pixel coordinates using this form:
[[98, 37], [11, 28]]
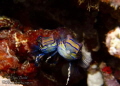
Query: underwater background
[[87, 21]]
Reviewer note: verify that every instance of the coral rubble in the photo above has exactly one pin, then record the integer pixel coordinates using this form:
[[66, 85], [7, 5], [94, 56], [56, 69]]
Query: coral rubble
[[112, 42]]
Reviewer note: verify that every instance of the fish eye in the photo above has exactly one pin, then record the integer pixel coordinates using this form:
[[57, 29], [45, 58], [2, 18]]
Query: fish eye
[[68, 52], [49, 45]]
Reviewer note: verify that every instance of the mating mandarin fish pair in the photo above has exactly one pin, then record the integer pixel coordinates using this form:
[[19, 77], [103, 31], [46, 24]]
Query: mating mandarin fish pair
[[68, 48]]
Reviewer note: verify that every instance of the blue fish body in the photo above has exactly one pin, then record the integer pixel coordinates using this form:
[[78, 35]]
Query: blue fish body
[[68, 48], [46, 45]]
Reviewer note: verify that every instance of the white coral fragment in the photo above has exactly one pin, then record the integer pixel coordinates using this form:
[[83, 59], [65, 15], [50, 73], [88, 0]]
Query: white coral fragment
[[113, 42], [94, 77]]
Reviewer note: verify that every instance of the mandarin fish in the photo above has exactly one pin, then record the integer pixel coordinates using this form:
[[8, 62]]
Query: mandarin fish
[[46, 45], [68, 49]]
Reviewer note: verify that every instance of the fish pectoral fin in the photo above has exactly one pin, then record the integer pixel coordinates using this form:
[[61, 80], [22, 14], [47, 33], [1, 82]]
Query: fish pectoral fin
[[50, 56], [39, 57]]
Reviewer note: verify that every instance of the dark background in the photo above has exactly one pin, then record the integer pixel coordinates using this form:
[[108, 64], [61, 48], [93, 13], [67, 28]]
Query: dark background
[[51, 14]]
